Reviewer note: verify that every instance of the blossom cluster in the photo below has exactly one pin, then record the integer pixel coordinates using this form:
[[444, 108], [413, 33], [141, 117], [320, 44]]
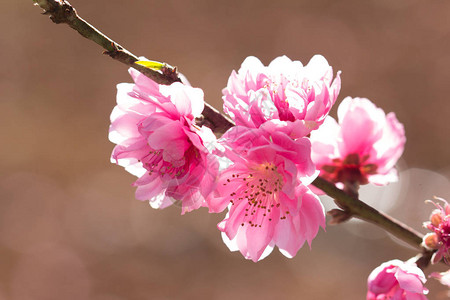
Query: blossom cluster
[[261, 169], [439, 238]]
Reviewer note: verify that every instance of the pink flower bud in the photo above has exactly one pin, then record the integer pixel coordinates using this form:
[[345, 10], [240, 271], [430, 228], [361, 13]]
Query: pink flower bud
[[436, 218], [396, 280], [430, 241], [439, 239]]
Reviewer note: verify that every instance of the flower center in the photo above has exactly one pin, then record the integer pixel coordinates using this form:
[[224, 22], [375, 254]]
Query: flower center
[[351, 169], [154, 162], [260, 187], [277, 93]]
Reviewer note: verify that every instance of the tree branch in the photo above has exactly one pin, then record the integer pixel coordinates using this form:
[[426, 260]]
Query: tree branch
[[61, 11], [362, 211]]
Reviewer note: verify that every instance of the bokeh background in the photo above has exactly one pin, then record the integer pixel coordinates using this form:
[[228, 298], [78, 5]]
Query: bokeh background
[[70, 227]]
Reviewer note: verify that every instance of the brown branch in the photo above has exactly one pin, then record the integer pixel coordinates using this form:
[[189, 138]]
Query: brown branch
[[213, 119], [61, 11], [361, 210]]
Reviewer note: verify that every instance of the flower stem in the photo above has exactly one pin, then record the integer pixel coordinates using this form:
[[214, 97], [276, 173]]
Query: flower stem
[[61, 11]]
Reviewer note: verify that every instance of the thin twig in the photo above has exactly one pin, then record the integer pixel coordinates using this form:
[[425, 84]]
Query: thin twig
[[61, 11]]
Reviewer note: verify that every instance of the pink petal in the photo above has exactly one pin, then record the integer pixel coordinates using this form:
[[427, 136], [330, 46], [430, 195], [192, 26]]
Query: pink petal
[[409, 282], [188, 100], [357, 128], [312, 216], [258, 238], [287, 237]]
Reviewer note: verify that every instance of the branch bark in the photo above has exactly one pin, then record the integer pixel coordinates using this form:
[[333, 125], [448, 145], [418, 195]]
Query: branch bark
[[61, 11]]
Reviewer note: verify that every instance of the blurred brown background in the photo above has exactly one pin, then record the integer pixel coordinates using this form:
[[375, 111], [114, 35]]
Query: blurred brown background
[[70, 227]]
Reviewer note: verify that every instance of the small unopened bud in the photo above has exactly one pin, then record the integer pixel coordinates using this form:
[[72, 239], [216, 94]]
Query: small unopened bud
[[436, 218], [430, 241]]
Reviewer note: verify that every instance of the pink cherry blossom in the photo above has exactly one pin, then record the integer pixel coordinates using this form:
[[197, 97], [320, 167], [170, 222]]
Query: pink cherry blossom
[[285, 91], [439, 239], [265, 190], [157, 140], [396, 280], [364, 147]]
